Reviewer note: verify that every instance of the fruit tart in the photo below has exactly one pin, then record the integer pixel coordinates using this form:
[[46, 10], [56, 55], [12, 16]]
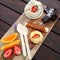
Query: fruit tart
[[33, 9]]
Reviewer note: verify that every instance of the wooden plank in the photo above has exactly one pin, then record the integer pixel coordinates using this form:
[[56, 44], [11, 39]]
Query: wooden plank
[[50, 4], [3, 28], [26, 0], [57, 27], [16, 5], [53, 41], [45, 53], [8, 15]]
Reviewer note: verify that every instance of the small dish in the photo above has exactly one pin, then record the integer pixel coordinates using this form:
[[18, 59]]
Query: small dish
[[33, 15]]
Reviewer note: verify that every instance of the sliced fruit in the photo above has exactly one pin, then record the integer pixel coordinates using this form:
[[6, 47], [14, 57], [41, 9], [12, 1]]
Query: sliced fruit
[[10, 45], [34, 8], [36, 36], [9, 38], [17, 50], [8, 53]]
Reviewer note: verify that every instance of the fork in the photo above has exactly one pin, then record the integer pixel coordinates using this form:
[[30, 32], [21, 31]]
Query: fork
[[25, 32]]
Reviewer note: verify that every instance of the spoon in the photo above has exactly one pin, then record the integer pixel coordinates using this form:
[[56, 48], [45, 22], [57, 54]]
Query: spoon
[[25, 32], [19, 29]]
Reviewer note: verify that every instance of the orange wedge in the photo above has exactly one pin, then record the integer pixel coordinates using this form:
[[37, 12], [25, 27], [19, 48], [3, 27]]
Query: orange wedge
[[10, 45], [9, 38]]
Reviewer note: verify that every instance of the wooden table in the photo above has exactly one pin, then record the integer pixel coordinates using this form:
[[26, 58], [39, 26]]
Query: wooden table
[[10, 10]]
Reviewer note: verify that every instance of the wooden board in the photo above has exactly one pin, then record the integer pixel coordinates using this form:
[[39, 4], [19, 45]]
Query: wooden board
[[22, 19]]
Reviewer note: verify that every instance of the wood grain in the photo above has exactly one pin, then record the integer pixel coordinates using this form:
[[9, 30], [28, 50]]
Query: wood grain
[[53, 41], [45, 53], [3, 28], [56, 28], [26, 0], [16, 5], [8, 15]]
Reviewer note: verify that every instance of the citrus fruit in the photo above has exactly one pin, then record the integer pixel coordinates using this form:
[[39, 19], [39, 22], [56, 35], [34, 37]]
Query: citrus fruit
[[9, 38], [10, 45]]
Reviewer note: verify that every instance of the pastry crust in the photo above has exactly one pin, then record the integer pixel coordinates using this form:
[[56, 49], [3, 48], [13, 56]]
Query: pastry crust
[[36, 40]]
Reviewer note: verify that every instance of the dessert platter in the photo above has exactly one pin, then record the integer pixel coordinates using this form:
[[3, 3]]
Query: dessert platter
[[27, 34]]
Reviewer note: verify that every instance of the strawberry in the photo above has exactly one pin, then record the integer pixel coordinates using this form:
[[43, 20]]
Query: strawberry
[[17, 50], [34, 8], [8, 53], [36, 36]]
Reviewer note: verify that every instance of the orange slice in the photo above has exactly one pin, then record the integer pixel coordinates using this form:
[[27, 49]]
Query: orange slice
[[9, 38], [10, 45]]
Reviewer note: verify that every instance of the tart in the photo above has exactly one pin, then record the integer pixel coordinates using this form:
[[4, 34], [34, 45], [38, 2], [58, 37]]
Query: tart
[[33, 9], [36, 37]]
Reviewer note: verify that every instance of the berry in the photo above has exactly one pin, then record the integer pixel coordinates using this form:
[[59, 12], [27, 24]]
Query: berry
[[36, 36], [34, 8], [17, 50], [8, 53]]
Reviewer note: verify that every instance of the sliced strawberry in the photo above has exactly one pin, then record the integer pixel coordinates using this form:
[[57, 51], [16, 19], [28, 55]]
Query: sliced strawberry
[[17, 50], [34, 8], [8, 53], [36, 36]]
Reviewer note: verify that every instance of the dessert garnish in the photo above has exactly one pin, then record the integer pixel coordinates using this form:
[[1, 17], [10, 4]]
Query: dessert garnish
[[34, 8], [36, 36]]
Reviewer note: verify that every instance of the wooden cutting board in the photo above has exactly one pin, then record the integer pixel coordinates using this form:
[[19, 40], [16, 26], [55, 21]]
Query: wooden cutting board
[[23, 19]]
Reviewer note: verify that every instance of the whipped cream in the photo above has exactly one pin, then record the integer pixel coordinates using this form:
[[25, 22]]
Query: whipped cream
[[29, 13]]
